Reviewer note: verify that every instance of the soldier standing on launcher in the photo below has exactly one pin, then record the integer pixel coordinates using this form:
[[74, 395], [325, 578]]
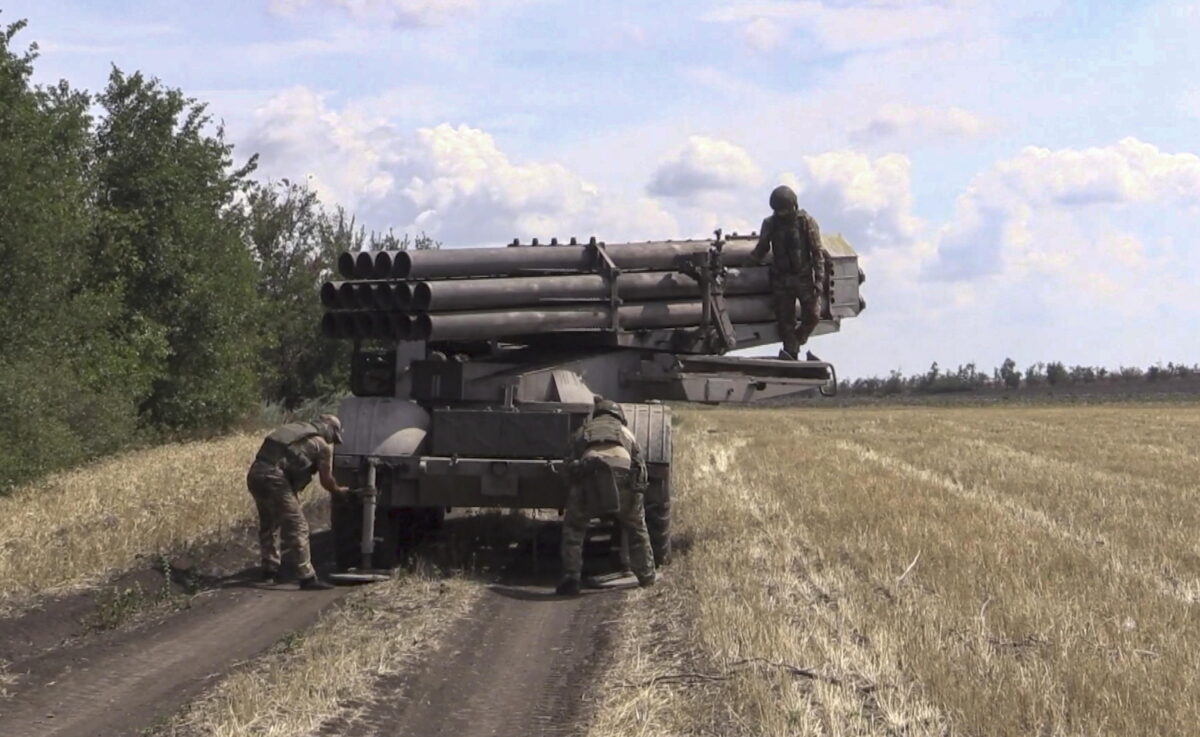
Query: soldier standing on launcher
[[797, 268], [285, 464], [608, 476]]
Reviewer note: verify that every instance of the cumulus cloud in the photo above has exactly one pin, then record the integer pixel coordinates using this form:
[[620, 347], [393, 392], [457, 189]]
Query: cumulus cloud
[[704, 165], [912, 121], [453, 182], [1129, 171], [1047, 209], [397, 12], [868, 200]]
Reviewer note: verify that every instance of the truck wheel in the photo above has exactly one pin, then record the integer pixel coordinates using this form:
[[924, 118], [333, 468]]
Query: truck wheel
[[658, 519]]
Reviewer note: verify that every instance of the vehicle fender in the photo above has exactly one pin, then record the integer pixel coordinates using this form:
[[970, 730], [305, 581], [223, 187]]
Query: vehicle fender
[[382, 426]]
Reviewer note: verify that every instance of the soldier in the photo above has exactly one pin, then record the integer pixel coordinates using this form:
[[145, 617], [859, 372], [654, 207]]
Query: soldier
[[285, 464], [608, 476], [797, 268]]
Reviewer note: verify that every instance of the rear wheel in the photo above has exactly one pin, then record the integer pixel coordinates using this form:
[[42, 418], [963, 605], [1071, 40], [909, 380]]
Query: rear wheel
[[658, 519]]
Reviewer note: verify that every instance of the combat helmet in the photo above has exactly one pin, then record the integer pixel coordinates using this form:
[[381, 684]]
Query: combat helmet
[[783, 199], [330, 427], [608, 407]]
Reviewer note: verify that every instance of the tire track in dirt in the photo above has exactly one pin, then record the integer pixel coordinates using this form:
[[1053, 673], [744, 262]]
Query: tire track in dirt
[[123, 681], [522, 663], [71, 681]]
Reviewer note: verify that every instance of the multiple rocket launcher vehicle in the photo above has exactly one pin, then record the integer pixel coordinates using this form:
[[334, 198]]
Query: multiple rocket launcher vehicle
[[472, 367]]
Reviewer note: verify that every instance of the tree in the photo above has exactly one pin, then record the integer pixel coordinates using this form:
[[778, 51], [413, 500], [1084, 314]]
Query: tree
[[1056, 373], [166, 244], [1035, 374], [295, 246], [66, 389], [1009, 374], [295, 243]]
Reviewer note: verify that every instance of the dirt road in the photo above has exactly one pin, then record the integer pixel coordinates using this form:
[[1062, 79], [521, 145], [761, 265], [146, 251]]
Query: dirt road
[[79, 676], [122, 682], [521, 662], [524, 661]]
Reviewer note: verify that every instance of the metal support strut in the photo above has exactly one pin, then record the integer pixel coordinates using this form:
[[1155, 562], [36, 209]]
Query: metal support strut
[[365, 573]]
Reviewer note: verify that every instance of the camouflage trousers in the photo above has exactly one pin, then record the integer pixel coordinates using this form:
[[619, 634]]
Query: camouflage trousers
[[786, 291], [631, 516], [279, 515]]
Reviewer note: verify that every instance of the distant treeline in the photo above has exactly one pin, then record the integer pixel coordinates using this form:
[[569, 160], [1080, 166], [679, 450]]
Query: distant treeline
[[968, 378], [149, 287]]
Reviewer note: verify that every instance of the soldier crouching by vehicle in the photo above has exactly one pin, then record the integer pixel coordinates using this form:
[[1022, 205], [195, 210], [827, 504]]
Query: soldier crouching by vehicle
[[797, 268], [607, 475], [284, 465]]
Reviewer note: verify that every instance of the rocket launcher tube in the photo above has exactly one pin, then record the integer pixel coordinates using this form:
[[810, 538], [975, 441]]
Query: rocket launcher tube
[[477, 294], [345, 264], [539, 320], [362, 295], [378, 325], [329, 295], [447, 263]]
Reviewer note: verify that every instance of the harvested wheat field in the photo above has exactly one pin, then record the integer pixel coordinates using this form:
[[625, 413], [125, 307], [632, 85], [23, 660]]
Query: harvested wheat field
[[919, 571]]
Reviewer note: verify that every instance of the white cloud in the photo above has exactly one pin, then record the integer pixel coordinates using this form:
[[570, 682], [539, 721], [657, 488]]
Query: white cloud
[[1129, 171], [918, 122], [868, 200], [452, 182], [1048, 211], [397, 12], [704, 165]]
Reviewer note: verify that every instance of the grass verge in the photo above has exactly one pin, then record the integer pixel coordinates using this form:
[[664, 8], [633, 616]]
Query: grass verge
[[78, 527]]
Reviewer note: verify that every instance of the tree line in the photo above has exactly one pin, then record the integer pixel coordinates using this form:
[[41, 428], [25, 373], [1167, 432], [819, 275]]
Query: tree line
[[150, 288], [1006, 376]]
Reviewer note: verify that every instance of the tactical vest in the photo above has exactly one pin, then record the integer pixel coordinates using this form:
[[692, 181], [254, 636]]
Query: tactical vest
[[790, 243], [605, 429], [284, 449]]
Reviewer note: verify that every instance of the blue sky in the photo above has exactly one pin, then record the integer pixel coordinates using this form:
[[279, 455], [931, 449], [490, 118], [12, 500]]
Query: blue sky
[[1020, 177]]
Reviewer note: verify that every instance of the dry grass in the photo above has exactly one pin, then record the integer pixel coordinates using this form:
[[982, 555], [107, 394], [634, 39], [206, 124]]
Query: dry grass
[[79, 526], [308, 678], [924, 571]]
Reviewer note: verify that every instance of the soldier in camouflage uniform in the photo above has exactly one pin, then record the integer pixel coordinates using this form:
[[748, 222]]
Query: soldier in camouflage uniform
[[797, 268], [608, 476], [284, 465]]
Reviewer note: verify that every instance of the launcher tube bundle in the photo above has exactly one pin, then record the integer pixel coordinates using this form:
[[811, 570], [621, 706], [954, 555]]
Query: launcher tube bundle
[[531, 292]]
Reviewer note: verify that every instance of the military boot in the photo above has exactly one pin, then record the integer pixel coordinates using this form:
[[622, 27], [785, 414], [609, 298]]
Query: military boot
[[312, 583], [569, 586]]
